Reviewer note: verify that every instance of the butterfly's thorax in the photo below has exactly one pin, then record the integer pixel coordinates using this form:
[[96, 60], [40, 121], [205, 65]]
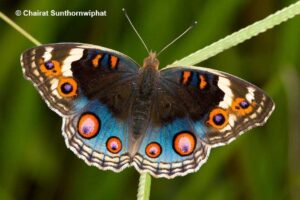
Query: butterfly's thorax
[[146, 85]]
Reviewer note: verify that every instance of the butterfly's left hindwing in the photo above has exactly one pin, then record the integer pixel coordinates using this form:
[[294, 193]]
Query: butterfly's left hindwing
[[97, 137]]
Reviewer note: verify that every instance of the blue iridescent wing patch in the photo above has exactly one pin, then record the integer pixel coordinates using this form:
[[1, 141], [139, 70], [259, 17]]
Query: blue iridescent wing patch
[[97, 137], [174, 149]]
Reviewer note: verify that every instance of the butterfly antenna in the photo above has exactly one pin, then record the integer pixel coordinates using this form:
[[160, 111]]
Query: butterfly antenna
[[182, 34], [126, 15]]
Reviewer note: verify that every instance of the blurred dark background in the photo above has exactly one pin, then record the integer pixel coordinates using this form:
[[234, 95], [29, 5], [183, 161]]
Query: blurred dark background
[[262, 164]]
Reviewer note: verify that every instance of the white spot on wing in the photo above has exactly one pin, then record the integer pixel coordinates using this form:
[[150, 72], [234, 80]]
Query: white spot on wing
[[54, 83], [98, 155], [151, 164], [232, 119], [250, 94], [224, 85], [48, 55], [259, 110], [36, 72], [54, 92], [226, 128], [33, 65], [75, 54], [67, 73]]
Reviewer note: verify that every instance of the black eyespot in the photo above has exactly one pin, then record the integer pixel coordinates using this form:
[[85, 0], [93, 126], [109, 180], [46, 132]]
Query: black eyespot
[[219, 119], [49, 65], [66, 88], [244, 104]]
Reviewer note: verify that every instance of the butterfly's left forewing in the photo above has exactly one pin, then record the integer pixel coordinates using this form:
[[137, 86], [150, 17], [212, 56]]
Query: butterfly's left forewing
[[67, 75], [91, 88]]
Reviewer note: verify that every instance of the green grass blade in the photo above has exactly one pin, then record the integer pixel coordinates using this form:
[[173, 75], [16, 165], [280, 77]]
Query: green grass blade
[[241, 35], [19, 29], [144, 187]]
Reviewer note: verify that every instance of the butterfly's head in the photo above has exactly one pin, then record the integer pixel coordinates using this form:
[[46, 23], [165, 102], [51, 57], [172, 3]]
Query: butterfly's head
[[151, 61]]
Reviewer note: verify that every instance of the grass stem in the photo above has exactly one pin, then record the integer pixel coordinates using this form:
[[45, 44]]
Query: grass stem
[[19, 29], [144, 187], [241, 35]]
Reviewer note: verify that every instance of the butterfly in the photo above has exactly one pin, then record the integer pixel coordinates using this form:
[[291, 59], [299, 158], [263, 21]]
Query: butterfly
[[117, 113]]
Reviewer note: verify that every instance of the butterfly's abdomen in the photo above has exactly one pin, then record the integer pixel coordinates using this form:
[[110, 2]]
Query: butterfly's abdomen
[[141, 107], [140, 115]]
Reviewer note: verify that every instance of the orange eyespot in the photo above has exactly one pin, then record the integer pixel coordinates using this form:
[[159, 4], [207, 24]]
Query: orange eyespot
[[88, 125], [95, 61], [153, 150], [203, 82], [218, 118], [67, 87], [242, 106], [50, 68], [114, 145], [113, 62], [185, 77], [184, 143]]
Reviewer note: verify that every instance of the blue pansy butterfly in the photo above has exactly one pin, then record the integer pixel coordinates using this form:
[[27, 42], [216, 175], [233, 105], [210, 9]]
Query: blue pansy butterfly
[[117, 114]]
